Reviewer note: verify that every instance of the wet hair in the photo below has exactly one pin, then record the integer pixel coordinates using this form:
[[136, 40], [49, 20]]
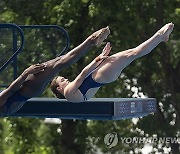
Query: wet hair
[[54, 86]]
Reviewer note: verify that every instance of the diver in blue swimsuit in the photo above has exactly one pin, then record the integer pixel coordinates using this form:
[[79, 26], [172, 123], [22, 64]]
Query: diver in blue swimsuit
[[105, 69], [34, 79]]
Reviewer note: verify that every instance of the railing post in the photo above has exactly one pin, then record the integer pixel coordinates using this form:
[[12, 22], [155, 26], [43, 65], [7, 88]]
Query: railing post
[[14, 63]]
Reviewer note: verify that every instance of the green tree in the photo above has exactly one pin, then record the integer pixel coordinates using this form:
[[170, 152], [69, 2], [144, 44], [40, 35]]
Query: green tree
[[156, 75]]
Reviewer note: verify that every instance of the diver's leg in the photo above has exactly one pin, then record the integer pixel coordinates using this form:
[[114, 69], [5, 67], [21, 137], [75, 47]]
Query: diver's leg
[[111, 68]]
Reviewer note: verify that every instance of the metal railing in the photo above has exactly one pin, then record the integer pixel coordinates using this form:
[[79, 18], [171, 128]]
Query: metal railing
[[18, 31], [17, 51]]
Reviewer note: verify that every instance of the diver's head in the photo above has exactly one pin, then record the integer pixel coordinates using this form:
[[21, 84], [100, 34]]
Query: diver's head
[[58, 85]]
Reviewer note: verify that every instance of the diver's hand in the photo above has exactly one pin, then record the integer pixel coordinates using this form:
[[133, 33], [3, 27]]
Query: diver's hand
[[104, 53], [34, 69], [107, 49]]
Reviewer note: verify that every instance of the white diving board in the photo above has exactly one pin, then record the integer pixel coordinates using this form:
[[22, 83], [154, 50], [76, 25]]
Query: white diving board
[[94, 109]]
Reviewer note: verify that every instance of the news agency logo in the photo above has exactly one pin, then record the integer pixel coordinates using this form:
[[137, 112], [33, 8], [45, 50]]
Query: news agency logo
[[151, 140], [111, 140]]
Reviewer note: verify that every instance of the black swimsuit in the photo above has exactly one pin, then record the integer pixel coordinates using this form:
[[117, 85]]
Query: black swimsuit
[[13, 104]]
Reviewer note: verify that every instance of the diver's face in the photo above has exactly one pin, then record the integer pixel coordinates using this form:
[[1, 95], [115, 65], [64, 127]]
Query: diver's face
[[62, 82]]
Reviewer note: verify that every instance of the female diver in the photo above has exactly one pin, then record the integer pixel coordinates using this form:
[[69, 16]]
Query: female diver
[[34, 79], [103, 69]]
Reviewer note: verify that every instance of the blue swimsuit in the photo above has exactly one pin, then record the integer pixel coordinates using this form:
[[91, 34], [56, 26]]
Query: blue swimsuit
[[13, 104], [87, 84]]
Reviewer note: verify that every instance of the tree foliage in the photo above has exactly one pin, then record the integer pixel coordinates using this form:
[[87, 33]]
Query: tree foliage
[[155, 75]]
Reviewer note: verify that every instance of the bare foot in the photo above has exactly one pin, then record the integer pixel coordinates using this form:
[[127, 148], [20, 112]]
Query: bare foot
[[165, 31], [99, 36]]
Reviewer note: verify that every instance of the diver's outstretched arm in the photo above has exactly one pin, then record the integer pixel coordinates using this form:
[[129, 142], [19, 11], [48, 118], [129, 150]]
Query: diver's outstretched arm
[[72, 87], [95, 39]]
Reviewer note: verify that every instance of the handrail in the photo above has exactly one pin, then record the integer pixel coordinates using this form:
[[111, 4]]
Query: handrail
[[14, 26], [20, 30]]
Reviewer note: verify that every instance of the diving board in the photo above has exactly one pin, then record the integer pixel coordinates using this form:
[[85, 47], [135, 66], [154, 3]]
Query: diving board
[[94, 109]]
